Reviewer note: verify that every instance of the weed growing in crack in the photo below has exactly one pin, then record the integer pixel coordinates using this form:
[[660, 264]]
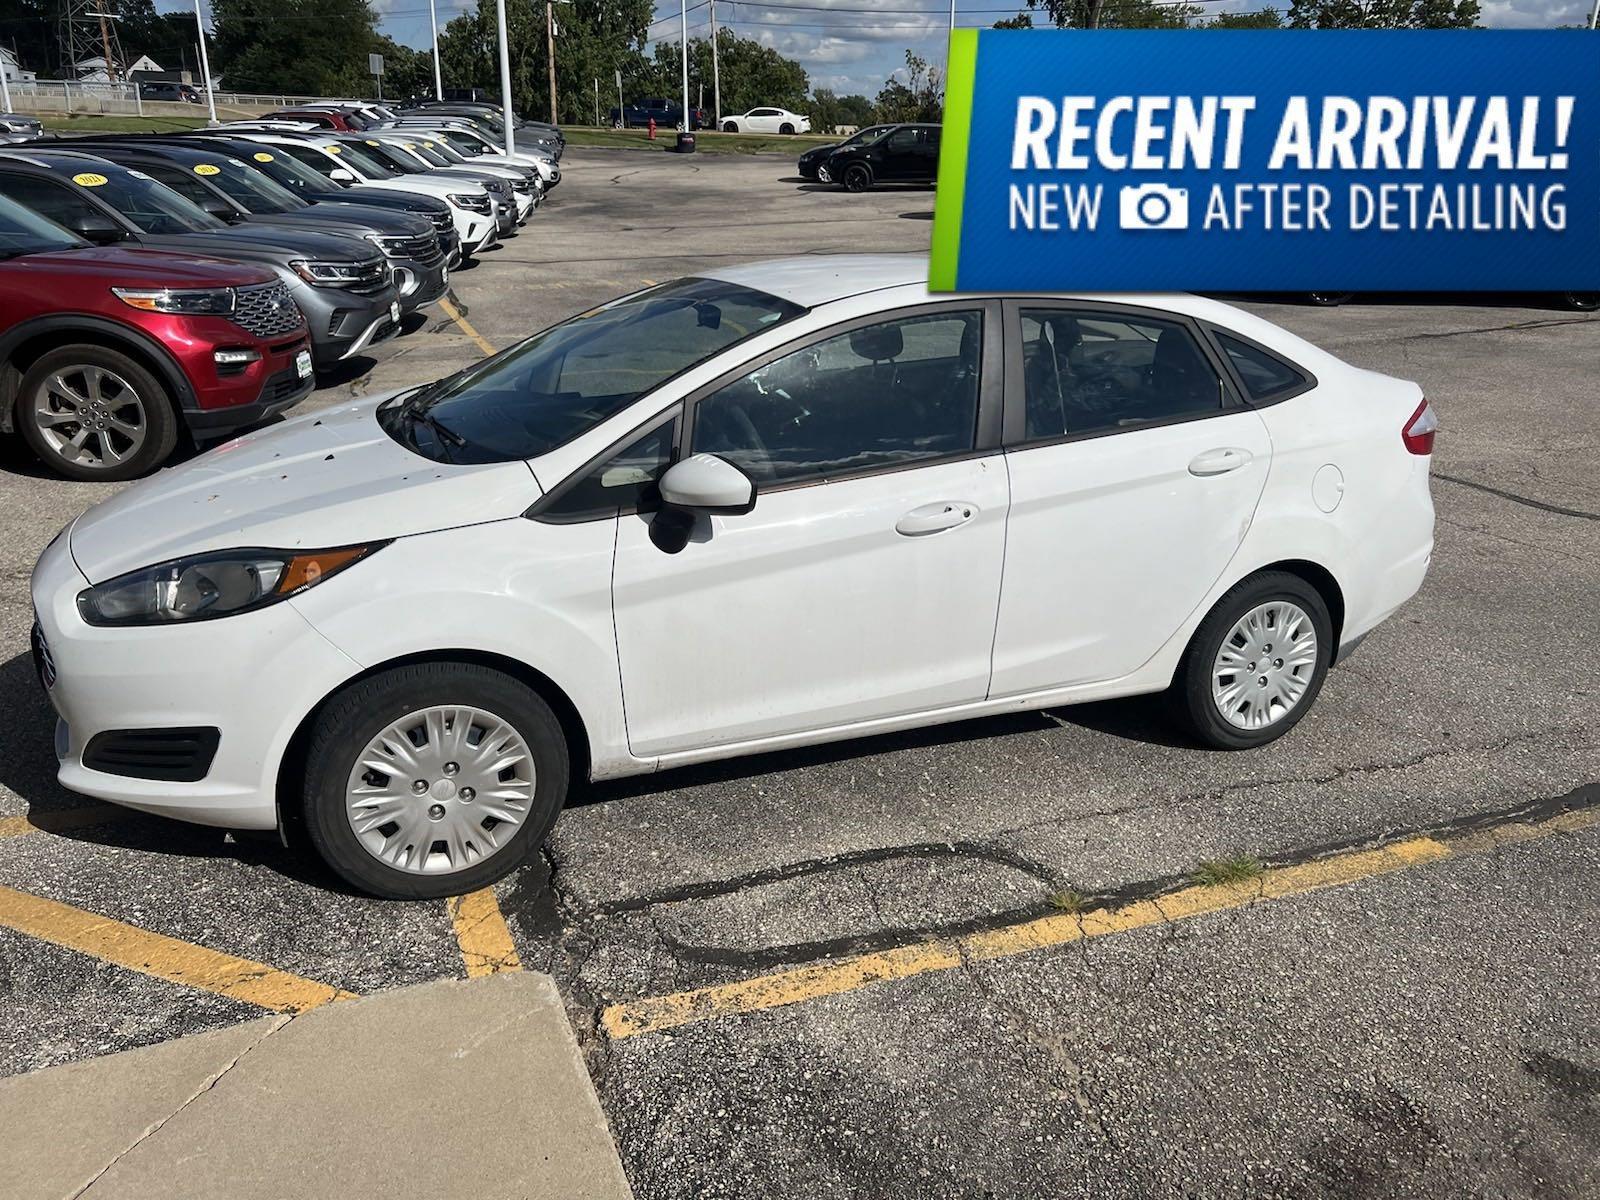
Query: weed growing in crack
[[1236, 869], [1067, 900]]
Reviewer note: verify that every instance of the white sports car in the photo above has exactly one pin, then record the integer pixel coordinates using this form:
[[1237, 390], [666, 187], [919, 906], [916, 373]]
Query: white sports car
[[766, 120], [769, 506]]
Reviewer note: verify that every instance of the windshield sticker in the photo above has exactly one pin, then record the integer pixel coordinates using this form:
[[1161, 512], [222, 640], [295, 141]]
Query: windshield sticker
[[334, 149], [372, 142], [89, 179], [206, 169], [264, 157]]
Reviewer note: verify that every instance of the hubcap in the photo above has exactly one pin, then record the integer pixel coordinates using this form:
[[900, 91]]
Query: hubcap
[[440, 790], [90, 416], [1265, 665]]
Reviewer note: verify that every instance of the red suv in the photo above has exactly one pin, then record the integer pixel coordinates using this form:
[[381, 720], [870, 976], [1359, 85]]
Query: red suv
[[107, 355]]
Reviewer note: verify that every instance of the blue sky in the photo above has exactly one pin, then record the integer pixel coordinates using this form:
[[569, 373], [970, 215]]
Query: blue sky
[[853, 45]]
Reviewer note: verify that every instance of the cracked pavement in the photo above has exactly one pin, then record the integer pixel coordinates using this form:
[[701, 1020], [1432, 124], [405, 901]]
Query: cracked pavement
[[1433, 1032]]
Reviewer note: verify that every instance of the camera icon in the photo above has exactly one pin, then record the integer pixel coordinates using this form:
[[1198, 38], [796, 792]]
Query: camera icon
[[1154, 206]]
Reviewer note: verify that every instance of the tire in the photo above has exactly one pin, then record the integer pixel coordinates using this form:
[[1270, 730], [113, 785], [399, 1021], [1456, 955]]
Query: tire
[[1194, 699], [117, 444], [347, 732], [1328, 299], [1581, 301], [786, 128], [729, 127], [857, 177]]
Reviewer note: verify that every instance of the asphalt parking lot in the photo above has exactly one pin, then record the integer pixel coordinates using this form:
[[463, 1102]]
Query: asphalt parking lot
[[975, 960]]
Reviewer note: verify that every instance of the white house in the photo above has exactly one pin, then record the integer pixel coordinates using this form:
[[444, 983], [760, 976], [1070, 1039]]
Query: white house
[[93, 70], [13, 69]]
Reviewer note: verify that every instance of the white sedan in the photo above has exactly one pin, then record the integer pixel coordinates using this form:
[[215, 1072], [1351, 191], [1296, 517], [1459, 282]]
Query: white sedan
[[766, 120], [765, 507]]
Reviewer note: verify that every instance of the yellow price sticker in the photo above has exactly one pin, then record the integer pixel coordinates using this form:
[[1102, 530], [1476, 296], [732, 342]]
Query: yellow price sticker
[[334, 149], [207, 169], [264, 157], [372, 142], [429, 145], [409, 145], [89, 179]]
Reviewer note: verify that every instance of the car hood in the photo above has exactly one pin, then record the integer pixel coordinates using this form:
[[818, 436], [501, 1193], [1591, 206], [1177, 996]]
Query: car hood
[[325, 479], [134, 268], [819, 152]]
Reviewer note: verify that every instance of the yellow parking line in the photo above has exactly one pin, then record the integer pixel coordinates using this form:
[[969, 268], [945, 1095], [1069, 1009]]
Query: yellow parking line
[[60, 819], [801, 984], [482, 934], [454, 314], [162, 957]]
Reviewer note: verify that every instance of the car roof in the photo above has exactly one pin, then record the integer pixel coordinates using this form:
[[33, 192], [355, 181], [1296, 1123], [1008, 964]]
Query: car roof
[[821, 278]]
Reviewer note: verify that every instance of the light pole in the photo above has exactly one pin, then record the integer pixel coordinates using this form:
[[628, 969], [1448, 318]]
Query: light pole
[[1594, 17], [205, 63], [438, 75], [5, 85], [683, 38], [550, 53], [505, 73], [716, 75]]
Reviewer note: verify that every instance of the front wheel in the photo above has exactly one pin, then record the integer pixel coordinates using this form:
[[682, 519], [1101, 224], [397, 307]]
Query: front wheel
[[858, 178], [433, 780], [1581, 301], [1256, 663], [729, 127], [92, 413], [1328, 299]]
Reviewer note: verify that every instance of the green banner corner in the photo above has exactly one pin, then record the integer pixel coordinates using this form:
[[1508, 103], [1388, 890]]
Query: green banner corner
[[959, 77]]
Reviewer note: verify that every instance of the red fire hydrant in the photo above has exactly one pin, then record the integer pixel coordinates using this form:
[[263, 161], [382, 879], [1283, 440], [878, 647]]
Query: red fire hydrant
[[652, 128]]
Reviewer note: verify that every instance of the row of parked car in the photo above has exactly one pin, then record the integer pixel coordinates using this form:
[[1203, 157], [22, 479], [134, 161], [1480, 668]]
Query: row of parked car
[[179, 287]]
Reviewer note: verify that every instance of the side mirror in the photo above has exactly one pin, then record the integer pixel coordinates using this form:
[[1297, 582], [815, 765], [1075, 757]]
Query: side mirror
[[704, 483], [97, 228], [219, 208], [341, 175]]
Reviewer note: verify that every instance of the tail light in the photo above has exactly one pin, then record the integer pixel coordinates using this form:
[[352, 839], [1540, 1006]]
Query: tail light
[[1418, 431]]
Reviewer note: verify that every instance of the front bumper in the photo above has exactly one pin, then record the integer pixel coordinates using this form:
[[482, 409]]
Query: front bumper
[[344, 323], [167, 678], [420, 282]]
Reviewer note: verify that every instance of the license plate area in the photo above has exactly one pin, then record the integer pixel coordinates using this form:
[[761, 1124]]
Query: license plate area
[[302, 364]]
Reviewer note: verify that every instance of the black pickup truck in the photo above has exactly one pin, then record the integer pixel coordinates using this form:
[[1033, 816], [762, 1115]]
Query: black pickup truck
[[667, 114]]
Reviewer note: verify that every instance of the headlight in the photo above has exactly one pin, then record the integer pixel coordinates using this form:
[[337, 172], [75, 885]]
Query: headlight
[[212, 585], [391, 244], [470, 201], [332, 272], [186, 301]]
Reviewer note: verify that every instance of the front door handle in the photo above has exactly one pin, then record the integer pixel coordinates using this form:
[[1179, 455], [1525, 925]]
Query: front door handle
[[935, 517], [1219, 462]]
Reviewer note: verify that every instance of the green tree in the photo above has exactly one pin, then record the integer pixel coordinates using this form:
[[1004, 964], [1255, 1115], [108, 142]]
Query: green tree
[[920, 97], [315, 47], [1116, 14], [168, 38], [752, 75], [1261, 18], [1384, 14], [1020, 21]]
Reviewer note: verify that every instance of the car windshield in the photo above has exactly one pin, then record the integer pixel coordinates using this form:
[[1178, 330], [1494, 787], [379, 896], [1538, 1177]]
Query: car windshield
[[252, 190], [23, 232], [282, 165], [437, 151], [394, 157], [556, 385], [866, 136], [152, 207], [364, 161], [463, 143]]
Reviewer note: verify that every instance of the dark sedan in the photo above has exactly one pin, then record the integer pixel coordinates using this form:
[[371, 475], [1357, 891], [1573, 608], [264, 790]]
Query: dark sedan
[[811, 161], [901, 154]]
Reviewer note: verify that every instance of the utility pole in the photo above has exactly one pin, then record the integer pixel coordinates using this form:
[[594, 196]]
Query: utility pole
[[205, 63], [105, 49], [438, 75], [716, 75], [550, 53], [505, 74], [5, 81]]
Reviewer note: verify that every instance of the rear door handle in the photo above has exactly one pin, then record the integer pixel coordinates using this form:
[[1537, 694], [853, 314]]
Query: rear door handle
[[1219, 462], [935, 517]]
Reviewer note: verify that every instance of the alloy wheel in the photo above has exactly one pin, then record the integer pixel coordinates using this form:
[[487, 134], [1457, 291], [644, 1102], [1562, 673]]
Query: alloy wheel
[[91, 416], [1264, 665], [440, 790]]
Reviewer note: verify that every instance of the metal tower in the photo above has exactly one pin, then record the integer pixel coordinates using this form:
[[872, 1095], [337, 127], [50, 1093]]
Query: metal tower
[[89, 30]]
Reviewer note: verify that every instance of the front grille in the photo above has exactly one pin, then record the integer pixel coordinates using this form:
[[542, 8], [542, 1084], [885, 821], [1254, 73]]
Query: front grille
[[441, 221], [43, 661], [267, 310], [521, 185], [370, 277], [424, 248], [285, 385], [172, 755]]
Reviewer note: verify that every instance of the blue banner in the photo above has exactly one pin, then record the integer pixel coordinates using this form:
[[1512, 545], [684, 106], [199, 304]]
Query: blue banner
[[1270, 160]]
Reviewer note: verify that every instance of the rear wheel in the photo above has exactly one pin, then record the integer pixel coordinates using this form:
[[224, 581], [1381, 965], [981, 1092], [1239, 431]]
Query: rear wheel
[[93, 413], [433, 780], [786, 128], [1256, 663], [1328, 299], [858, 177], [1581, 301]]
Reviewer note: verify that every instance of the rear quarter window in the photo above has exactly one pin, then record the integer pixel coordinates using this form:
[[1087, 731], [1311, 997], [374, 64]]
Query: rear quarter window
[[1264, 374]]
